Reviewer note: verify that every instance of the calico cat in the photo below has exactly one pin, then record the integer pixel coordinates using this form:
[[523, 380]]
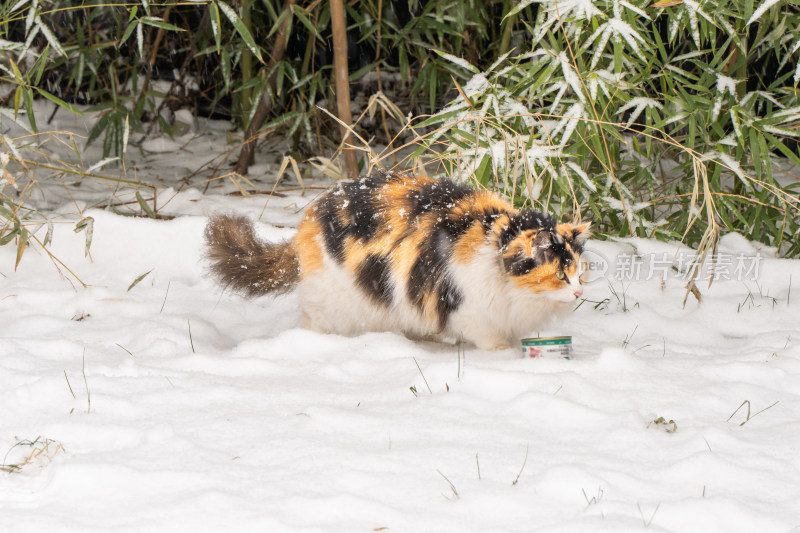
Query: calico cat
[[425, 257]]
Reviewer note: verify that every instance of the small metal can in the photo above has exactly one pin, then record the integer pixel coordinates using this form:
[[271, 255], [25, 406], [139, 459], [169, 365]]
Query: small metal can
[[547, 347]]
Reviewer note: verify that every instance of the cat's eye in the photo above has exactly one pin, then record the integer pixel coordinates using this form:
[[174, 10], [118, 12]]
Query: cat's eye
[[560, 274]]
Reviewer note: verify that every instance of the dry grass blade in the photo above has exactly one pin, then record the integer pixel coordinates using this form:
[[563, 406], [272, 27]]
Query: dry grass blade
[[68, 385], [524, 462], [234, 178], [43, 450], [86, 383], [748, 417], [365, 144], [461, 92], [423, 375], [328, 167], [452, 487], [289, 160], [138, 279]]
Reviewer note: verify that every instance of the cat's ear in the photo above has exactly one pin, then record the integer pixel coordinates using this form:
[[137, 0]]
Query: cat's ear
[[582, 232]]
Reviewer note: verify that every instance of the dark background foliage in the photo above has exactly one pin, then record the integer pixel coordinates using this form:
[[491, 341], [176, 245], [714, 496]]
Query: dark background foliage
[[662, 118]]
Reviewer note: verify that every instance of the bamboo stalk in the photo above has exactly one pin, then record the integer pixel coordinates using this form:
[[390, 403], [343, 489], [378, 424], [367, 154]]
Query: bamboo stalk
[[153, 56], [247, 65], [265, 103], [508, 29], [342, 82]]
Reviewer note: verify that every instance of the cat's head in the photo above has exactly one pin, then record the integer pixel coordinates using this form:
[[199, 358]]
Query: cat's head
[[543, 257]]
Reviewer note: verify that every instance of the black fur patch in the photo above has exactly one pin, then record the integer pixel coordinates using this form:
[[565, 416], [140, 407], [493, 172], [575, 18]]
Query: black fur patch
[[455, 226], [450, 299], [441, 195], [334, 230], [517, 265], [525, 220], [429, 275], [363, 206], [489, 218], [422, 277], [548, 247], [576, 246], [561, 252], [374, 277], [351, 209]]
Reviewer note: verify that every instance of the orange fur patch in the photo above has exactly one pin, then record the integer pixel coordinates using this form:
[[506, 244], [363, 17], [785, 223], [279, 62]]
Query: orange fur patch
[[568, 230], [485, 202], [309, 251], [543, 278], [396, 192], [407, 252], [540, 279], [565, 229], [429, 304], [467, 246], [355, 251], [522, 243]]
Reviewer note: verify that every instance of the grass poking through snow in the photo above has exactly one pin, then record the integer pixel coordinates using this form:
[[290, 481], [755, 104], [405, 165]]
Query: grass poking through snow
[[748, 417], [42, 451], [524, 462], [86, 383]]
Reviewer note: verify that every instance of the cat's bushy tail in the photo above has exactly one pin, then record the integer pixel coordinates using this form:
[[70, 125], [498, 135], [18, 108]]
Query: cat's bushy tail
[[246, 264]]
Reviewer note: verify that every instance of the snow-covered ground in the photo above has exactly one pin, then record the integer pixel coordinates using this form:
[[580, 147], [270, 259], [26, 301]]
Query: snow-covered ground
[[173, 406]]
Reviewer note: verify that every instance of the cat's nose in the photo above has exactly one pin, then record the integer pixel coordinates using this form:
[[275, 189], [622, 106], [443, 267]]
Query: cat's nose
[[578, 292]]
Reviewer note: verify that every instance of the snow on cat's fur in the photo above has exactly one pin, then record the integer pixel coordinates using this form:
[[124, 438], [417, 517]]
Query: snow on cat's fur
[[425, 257]]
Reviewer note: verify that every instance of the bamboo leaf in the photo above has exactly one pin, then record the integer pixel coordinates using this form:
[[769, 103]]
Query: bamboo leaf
[[439, 118], [86, 225], [299, 13], [27, 99], [125, 135], [18, 93], [484, 171], [18, 5], [159, 23], [101, 164], [98, 128], [30, 18], [50, 36], [518, 8], [59, 102], [42, 61], [128, 31], [458, 61], [216, 28], [782, 148], [48, 238], [17, 73], [8, 237], [145, 207], [225, 64], [24, 235], [240, 28], [140, 39]]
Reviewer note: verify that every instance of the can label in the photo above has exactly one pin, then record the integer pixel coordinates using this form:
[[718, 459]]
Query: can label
[[547, 347]]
